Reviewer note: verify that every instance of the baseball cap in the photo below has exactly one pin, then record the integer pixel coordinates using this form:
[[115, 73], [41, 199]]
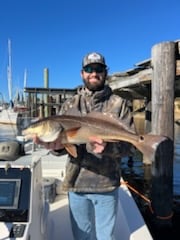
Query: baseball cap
[[10, 150], [93, 57]]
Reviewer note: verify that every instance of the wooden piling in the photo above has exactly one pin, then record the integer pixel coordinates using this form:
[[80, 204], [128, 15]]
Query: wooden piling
[[46, 96], [163, 79]]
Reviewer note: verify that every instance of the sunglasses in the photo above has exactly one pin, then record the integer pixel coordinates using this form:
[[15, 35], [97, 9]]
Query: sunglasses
[[97, 69]]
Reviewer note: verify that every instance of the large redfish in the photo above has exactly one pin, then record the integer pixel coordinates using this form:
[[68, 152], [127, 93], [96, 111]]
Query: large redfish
[[73, 130]]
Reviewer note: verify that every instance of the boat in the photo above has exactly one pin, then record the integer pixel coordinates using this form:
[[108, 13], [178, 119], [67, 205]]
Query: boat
[[8, 116], [13, 115], [33, 206]]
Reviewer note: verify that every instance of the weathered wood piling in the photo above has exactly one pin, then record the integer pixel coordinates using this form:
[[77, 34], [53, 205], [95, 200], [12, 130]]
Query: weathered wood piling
[[162, 123]]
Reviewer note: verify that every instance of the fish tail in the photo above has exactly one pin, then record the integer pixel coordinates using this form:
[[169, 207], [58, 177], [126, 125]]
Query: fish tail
[[148, 145]]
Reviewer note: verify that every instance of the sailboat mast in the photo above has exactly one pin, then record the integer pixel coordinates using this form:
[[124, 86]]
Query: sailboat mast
[[9, 71], [25, 81]]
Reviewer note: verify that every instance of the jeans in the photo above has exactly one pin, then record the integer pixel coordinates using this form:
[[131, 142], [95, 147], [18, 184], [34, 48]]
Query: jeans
[[93, 215]]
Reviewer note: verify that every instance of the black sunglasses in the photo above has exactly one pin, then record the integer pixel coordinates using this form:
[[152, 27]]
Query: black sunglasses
[[97, 69]]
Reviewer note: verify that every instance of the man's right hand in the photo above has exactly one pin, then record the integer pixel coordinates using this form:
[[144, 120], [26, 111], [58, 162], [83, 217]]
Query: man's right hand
[[55, 145]]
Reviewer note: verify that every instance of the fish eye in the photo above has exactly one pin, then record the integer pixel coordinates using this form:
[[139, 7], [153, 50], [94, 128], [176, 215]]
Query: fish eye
[[141, 138]]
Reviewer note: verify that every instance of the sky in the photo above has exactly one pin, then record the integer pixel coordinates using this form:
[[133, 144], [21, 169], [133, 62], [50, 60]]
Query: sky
[[56, 34]]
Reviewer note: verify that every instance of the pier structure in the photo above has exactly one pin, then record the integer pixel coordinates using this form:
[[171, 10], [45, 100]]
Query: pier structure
[[43, 102]]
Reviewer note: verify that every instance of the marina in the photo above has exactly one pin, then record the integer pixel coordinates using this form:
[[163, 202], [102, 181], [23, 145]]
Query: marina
[[155, 84]]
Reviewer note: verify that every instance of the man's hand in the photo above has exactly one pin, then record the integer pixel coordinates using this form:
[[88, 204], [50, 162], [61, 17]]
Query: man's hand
[[55, 145], [96, 145]]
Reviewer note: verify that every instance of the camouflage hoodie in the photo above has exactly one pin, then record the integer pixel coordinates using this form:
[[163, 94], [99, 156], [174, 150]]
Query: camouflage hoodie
[[91, 172]]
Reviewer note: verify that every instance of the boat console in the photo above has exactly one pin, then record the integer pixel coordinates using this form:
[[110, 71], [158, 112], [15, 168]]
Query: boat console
[[23, 208]]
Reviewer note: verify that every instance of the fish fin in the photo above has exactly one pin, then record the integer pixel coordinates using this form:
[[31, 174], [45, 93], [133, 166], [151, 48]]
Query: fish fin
[[71, 149], [72, 132]]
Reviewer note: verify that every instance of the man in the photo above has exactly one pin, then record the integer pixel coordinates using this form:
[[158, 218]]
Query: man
[[93, 178]]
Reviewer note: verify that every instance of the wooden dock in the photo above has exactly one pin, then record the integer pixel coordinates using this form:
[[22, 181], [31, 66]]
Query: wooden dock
[[135, 83]]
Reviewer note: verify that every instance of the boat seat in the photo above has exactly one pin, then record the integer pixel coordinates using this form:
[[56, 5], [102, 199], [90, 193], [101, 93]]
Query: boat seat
[[10, 150]]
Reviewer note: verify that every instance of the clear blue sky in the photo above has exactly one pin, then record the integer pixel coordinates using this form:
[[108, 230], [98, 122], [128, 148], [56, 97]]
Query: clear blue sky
[[56, 34]]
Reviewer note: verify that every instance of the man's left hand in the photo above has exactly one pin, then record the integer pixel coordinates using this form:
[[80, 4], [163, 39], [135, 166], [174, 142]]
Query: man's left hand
[[97, 145]]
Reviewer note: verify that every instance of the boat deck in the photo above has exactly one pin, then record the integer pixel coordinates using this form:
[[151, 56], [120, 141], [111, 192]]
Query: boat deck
[[130, 223], [54, 224]]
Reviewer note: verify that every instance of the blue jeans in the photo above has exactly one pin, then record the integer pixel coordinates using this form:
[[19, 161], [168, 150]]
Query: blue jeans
[[93, 215]]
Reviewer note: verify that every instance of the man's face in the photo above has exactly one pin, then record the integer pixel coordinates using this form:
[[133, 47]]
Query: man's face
[[94, 76]]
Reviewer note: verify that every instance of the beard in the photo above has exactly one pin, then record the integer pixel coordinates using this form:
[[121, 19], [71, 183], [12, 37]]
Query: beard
[[96, 86]]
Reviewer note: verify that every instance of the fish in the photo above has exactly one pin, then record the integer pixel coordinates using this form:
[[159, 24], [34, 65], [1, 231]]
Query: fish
[[73, 130]]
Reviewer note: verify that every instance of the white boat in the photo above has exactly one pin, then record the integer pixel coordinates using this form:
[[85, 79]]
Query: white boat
[[8, 116], [38, 209], [15, 116]]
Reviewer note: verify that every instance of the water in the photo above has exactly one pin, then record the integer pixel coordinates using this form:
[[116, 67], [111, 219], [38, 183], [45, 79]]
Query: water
[[139, 177], [176, 182]]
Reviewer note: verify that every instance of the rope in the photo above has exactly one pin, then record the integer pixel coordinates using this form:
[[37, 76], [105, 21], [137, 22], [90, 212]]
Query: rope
[[166, 217], [146, 200]]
